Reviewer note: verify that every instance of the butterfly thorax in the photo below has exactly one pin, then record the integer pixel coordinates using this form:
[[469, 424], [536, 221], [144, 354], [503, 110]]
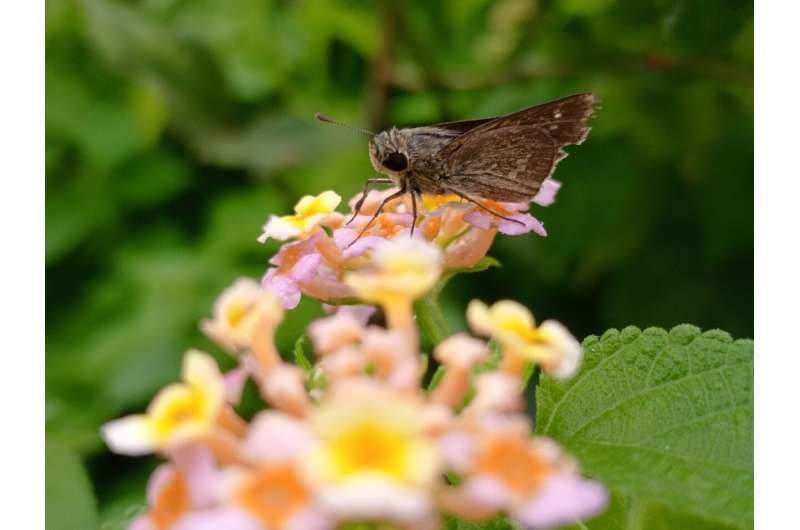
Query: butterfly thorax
[[411, 157]]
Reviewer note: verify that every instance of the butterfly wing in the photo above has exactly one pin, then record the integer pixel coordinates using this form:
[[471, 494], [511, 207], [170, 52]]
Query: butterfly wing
[[508, 158], [461, 127]]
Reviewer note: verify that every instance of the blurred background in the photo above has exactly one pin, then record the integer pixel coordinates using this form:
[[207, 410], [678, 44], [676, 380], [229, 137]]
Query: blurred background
[[175, 127]]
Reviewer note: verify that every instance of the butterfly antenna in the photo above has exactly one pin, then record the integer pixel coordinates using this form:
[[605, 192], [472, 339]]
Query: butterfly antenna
[[327, 119]]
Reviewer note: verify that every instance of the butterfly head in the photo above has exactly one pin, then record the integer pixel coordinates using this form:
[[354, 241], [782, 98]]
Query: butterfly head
[[387, 153]]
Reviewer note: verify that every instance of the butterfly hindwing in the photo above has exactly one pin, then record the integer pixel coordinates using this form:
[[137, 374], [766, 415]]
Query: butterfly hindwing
[[508, 158]]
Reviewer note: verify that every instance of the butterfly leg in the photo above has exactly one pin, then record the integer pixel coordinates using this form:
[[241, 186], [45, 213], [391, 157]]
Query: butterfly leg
[[481, 206], [413, 211], [364, 193], [394, 195]]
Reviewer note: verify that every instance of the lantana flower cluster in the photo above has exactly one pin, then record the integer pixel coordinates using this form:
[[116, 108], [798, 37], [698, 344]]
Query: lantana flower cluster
[[323, 245], [360, 436]]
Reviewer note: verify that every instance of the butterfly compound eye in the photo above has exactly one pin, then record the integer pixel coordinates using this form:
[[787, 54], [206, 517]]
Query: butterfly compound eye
[[395, 162]]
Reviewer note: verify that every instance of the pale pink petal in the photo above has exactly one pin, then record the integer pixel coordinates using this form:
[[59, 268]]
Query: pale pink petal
[[309, 520], [284, 387], [274, 436], [564, 498], [284, 288], [277, 258], [159, 478], [297, 248], [461, 350], [333, 332], [345, 236], [456, 449], [327, 285], [522, 223], [479, 219], [405, 374], [218, 519], [361, 312], [305, 268], [495, 392], [515, 207], [525, 223], [143, 522], [488, 491], [198, 465], [547, 192], [234, 384]]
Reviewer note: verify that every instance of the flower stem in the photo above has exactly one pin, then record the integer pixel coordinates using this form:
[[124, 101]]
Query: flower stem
[[431, 319]]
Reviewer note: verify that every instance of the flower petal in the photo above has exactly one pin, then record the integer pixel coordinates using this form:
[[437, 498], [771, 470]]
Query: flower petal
[[479, 219], [491, 493], [522, 224], [371, 497], [201, 371], [566, 350], [345, 237], [197, 464], [143, 522], [479, 318], [218, 519], [325, 202], [547, 192], [305, 268], [130, 435], [274, 436], [280, 228], [564, 498], [284, 287], [234, 384]]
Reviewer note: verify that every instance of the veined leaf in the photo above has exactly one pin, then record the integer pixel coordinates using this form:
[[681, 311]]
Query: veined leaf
[[664, 417]]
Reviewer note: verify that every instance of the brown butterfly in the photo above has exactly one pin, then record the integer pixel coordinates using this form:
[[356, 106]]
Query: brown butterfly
[[504, 158]]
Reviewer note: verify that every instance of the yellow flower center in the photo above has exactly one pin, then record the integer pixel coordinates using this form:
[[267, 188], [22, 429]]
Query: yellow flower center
[[184, 407], [236, 312], [519, 328], [369, 447]]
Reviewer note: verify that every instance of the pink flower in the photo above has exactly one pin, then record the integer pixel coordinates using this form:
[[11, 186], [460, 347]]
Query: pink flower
[[547, 192], [522, 223], [564, 498], [223, 518], [295, 263], [276, 437]]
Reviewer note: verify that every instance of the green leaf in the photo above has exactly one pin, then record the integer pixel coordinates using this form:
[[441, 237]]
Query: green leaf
[[485, 263], [498, 523], [431, 319], [492, 362], [662, 417], [300, 357], [625, 513], [70, 503]]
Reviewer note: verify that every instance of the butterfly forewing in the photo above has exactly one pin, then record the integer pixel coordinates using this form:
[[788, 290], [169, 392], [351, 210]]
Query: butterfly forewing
[[505, 164], [508, 158], [461, 126]]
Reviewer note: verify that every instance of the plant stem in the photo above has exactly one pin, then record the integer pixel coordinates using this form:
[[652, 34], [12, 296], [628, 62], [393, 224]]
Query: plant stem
[[431, 319]]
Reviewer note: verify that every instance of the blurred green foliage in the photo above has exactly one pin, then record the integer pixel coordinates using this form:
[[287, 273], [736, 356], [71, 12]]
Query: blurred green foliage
[[174, 127]]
